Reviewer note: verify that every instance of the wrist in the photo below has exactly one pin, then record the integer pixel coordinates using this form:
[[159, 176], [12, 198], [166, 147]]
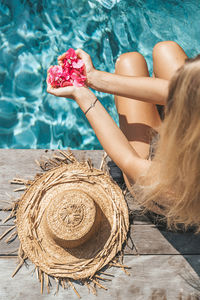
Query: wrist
[[82, 93], [100, 81], [85, 98], [93, 78]]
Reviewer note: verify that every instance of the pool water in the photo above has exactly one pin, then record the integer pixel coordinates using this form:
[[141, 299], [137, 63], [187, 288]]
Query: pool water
[[34, 32]]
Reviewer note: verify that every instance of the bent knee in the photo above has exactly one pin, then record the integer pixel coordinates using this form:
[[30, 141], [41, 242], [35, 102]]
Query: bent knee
[[129, 58], [164, 46]]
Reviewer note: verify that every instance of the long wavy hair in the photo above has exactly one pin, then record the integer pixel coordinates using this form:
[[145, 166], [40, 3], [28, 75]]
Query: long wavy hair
[[173, 179]]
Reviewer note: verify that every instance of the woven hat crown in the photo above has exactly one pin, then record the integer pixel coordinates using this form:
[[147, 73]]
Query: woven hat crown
[[72, 218]]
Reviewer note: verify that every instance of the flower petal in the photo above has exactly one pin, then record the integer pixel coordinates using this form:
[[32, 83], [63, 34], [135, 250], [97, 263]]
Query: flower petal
[[78, 64]]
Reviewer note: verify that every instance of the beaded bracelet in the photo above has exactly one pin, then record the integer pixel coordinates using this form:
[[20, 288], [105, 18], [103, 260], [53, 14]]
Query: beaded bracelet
[[91, 106]]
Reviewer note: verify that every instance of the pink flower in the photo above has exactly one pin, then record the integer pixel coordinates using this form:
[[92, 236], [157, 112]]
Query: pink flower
[[70, 57], [78, 78], [66, 83], [78, 64], [70, 73], [71, 54], [57, 76]]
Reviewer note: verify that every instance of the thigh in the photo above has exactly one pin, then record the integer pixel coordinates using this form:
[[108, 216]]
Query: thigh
[[137, 119], [168, 56]]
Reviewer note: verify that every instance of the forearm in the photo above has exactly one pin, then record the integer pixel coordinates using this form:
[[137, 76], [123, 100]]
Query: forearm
[[153, 90], [109, 135]]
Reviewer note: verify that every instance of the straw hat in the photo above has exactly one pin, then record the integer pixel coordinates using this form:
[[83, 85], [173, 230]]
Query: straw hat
[[72, 221]]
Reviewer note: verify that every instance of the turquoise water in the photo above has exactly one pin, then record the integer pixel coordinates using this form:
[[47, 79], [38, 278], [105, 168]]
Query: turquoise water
[[34, 32]]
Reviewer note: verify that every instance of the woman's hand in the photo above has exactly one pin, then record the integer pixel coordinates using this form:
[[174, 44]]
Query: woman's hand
[[67, 92], [71, 92], [89, 68]]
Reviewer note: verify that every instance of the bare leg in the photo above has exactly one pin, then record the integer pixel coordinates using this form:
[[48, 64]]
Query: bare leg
[[168, 56], [136, 118]]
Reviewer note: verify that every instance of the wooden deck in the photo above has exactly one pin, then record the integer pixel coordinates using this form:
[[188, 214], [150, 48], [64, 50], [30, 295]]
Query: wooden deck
[[164, 265]]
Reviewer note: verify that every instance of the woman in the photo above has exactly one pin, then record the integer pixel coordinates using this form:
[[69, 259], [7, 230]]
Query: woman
[[169, 183]]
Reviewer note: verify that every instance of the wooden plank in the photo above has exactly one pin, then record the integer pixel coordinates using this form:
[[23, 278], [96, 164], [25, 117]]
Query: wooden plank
[[183, 242], [16, 163], [164, 277], [136, 215], [151, 277], [94, 155], [149, 240], [142, 240]]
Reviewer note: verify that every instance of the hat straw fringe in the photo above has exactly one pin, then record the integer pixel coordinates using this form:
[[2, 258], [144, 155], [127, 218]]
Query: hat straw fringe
[[57, 285], [21, 189], [47, 281], [56, 160], [42, 281], [11, 237], [21, 181], [18, 267], [103, 165], [89, 163], [69, 155], [22, 257], [102, 278], [11, 215], [63, 283], [6, 232], [73, 287], [13, 209], [118, 265], [106, 274], [99, 285], [37, 272], [91, 287]]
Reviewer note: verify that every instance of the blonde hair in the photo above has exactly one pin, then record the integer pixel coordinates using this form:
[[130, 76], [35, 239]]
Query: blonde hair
[[173, 180]]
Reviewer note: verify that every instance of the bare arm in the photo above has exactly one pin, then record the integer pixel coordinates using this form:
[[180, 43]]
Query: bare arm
[[109, 135], [153, 90]]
